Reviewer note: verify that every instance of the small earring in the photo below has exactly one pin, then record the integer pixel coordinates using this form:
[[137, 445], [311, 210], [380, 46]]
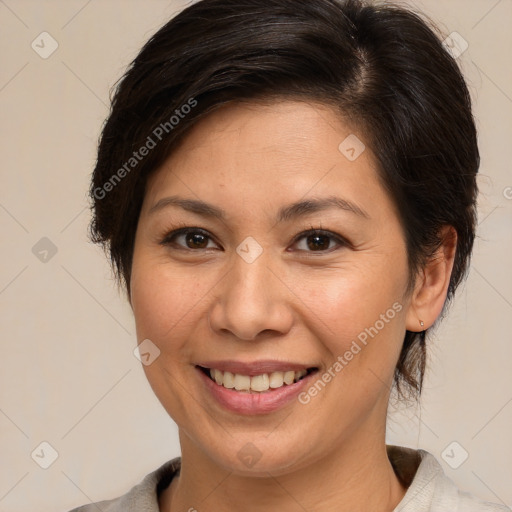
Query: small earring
[[421, 323]]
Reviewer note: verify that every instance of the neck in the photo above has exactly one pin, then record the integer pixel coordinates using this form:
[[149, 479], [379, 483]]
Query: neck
[[357, 476]]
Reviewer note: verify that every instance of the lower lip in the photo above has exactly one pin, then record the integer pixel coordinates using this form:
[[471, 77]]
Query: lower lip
[[254, 403]]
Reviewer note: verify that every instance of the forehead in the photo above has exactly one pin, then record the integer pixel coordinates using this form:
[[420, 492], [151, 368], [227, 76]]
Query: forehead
[[253, 155]]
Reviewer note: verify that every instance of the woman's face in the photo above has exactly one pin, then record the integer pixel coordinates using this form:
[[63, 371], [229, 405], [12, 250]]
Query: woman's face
[[251, 291]]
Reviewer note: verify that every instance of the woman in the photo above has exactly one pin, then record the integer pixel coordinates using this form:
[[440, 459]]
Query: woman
[[287, 190]]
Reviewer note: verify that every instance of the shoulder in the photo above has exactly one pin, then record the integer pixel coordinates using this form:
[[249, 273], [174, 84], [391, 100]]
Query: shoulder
[[142, 497], [429, 489]]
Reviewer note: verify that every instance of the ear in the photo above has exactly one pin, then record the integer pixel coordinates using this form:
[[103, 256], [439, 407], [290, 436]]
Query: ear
[[432, 282]]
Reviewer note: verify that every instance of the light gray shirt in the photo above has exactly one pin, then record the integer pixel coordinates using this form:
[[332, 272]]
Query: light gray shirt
[[429, 489]]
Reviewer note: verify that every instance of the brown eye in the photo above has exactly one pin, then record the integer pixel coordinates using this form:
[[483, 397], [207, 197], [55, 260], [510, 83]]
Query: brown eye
[[319, 241], [196, 240], [189, 238]]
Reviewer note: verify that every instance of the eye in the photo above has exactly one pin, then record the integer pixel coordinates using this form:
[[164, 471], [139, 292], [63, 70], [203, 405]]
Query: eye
[[318, 240], [313, 240], [189, 238]]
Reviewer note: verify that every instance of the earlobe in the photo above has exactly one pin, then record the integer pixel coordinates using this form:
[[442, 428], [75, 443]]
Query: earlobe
[[432, 283]]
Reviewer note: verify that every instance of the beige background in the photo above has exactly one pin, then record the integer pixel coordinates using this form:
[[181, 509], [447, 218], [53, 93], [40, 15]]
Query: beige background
[[67, 372]]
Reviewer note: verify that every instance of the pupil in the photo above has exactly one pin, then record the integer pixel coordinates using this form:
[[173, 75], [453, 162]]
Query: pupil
[[317, 242], [196, 240]]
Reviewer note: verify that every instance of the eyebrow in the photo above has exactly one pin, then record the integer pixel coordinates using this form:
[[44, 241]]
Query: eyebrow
[[294, 210]]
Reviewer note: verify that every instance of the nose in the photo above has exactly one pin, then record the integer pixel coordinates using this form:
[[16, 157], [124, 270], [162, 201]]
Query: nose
[[251, 300]]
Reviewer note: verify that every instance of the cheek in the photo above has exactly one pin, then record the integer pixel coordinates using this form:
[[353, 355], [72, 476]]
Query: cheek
[[358, 313], [165, 301], [166, 304], [349, 300]]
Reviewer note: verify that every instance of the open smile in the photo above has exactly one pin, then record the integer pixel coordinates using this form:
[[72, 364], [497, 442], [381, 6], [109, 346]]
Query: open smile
[[259, 393]]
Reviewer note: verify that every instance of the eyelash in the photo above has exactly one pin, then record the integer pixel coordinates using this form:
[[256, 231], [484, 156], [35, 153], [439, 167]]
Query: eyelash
[[184, 230]]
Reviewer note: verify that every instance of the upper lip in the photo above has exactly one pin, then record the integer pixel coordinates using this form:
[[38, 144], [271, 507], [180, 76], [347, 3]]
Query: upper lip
[[253, 368]]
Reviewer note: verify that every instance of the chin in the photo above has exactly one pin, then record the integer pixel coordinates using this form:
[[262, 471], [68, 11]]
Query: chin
[[259, 456]]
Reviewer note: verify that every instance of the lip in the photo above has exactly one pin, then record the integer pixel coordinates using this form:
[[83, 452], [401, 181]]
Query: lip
[[256, 367], [254, 403]]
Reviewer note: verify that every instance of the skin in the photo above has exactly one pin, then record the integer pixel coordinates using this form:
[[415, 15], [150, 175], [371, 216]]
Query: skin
[[293, 303]]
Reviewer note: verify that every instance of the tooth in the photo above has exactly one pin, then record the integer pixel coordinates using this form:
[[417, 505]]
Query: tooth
[[300, 374], [260, 382], [218, 377], [276, 380], [229, 381], [288, 377], [242, 382]]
